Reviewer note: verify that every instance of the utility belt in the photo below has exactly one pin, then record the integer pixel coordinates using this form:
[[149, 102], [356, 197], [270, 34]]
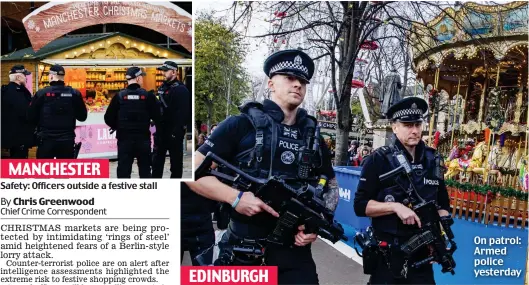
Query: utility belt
[[236, 250], [392, 251]]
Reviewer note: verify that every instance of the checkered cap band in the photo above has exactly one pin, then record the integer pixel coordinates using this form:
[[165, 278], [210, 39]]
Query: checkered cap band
[[170, 66], [56, 72], [135, 75], [406, 112], [290, 65]]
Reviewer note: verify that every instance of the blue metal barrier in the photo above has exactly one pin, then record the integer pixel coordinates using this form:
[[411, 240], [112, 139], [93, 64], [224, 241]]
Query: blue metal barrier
[[348, 177]]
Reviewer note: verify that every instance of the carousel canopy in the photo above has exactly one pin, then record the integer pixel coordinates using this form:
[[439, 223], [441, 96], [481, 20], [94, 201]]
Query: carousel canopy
[[471, 42]]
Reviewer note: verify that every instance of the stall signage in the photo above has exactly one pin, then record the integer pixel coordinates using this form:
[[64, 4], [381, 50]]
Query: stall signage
[[55, 19], [96, 138], [99, 139], [334, 126], [327, 125], [76, 78]]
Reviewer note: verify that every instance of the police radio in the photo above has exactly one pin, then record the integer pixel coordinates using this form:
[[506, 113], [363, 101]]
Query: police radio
[[307, 156]]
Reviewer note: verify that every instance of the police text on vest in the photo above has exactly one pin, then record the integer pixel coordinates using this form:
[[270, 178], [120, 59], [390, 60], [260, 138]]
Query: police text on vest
[[431, 182], [288, 145]]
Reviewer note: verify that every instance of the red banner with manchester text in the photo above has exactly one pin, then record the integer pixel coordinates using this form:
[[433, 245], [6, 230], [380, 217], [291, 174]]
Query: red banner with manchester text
[[55, 168]]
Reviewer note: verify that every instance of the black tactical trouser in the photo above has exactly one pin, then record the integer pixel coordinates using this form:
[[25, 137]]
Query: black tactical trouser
[[130, 148], [295, 264], [18, 152], [385, 275], [198, 237], [422, 275], [162, 144], [48, 148]]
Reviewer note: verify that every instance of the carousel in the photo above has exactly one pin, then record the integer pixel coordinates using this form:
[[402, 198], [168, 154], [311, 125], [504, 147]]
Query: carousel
[[475, 70]]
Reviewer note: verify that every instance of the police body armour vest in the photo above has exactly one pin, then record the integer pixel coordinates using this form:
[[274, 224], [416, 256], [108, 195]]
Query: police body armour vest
[[277, 146], [275, 153], [426, 180], [133, 113], [57, 111]]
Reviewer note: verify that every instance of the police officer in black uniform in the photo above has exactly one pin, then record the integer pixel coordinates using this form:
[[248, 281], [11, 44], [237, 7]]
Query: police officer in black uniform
[[55, 110], [130, 113], [265, 140], [17, 131], [197, 232], [174, 98], [387, 203]]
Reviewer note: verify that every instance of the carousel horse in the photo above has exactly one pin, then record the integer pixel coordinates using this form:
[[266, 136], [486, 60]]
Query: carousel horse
[[458, 164], [523, 177], [478, 162], [454, 153], [493, 163]]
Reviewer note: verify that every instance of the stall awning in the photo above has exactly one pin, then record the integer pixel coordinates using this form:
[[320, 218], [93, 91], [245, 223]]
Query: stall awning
[[75, 42], [92, 63]]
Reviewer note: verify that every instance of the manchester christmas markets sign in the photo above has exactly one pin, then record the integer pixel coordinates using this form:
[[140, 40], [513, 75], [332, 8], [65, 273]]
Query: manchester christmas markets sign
[[55, 19]]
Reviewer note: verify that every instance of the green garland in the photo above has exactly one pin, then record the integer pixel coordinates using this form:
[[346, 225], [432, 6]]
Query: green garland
[[484, 189]]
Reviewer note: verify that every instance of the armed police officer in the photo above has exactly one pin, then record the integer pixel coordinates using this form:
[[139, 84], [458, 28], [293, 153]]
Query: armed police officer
[[388, 202], [265, 141], [17, 131], [174, 98], [55, 110], [130, 113]]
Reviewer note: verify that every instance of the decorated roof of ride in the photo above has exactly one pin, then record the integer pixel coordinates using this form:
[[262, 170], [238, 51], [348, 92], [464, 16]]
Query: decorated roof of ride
[[471, 42], [462, 31]]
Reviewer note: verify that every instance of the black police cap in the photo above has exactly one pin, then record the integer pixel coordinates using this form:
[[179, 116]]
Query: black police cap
[[290, 62], [19, 69], [134, 72], [57, 70], [408, 110], [168, 65]]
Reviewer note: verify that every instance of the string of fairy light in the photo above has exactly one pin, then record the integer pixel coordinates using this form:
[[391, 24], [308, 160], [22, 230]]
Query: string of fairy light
[[104, 44]]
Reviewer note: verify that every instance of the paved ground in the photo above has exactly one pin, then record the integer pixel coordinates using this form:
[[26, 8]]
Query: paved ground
[[166, 171], [333, 267]]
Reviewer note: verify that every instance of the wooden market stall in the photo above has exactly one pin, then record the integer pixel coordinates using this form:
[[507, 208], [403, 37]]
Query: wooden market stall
[[95, 64]]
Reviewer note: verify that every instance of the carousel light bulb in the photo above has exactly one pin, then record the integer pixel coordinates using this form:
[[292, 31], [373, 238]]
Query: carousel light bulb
[[92, 47], [134, 44], [100, 45], [127, 42], [108, 42], [84, 50], [150, 49], [74, 52], [165, 54]]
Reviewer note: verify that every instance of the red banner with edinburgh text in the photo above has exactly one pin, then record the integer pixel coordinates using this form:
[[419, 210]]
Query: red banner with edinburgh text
[[55, 168], [209, 275]]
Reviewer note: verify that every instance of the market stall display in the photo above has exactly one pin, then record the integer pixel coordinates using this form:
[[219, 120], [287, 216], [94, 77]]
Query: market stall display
[[95, 64]]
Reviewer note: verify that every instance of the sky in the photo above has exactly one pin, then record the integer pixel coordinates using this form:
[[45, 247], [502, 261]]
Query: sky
[[257, 49]]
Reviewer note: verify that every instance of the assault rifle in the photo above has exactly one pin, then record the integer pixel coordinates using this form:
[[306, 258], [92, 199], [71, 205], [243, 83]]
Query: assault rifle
[[435, 230], [303, 206]]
